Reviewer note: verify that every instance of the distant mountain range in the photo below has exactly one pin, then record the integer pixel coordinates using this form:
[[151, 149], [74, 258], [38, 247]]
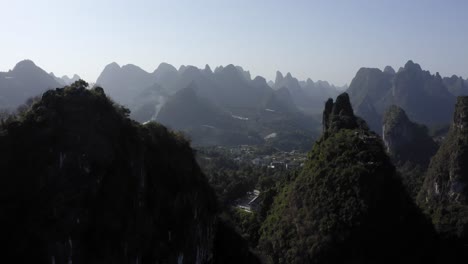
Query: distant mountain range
[[65, 80], [237, 99], [224, 106], [25, 80], [426, 98], [308, 95]]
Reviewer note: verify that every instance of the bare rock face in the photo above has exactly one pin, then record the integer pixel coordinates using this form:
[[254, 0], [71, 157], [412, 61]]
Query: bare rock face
[[339, 114], [410, 147], [406, 140], [426, 97], [445, 190]]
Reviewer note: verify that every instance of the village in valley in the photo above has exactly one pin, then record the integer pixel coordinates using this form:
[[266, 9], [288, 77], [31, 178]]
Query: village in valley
[[269, 159]]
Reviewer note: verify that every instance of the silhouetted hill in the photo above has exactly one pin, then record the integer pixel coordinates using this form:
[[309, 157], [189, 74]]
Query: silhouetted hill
[[26, 80], [347, 205], [146, 105], [85, 184], [225, 106], [456, 85], [67, 80], [186, 109], [124, 82], [423, 96], [307, 95]]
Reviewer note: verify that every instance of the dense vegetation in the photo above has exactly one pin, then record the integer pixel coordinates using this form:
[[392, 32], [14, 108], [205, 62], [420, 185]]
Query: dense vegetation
[[347, 205], [444, 194], [410, 147], [86, 184], [230, 180]]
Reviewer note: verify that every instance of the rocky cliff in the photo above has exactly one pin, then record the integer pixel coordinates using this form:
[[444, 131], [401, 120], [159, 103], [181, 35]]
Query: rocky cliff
[[445, 193], [347, 205], [409, 146], [424, 96]]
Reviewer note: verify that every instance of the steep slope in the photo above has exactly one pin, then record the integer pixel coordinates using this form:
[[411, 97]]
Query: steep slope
[[367, 90], [409, 145], [124, 82], [347, 205], [279, 100], [308, 96], [292, 84], [456, 85], [186, 109], [67, 80], [146, 105], [58, 80], [205, 122], [26, 80], [85, 184], [423, 96], [235, 89], [319, 90], [445, 194]]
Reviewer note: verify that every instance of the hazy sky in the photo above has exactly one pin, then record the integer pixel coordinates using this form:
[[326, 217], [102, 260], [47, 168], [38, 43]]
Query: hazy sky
[[328, 40]]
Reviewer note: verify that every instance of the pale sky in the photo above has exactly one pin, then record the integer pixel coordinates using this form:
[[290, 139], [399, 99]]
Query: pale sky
[[327, 40]]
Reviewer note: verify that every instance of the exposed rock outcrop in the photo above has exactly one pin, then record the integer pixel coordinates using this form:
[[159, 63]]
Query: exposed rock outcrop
[[347, 205], [409, 146], [445, 191]]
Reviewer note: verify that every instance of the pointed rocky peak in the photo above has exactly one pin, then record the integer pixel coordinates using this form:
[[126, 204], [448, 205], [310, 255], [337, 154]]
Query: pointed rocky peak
[[112, 66], [407, 141], [30, 72], [288, 76], [208, 69], [24, 64], [218, 69], [279, 78], [57, 79], [165, 67], [259, 81], [244, 73], [326, 114], [230, 73], [389, 70], [339, 114], [410, 65], [231, 69], [343, 106], [191, 70], [395, 115], [133, 68], [67, 80], [456, 85], [366, 71]]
